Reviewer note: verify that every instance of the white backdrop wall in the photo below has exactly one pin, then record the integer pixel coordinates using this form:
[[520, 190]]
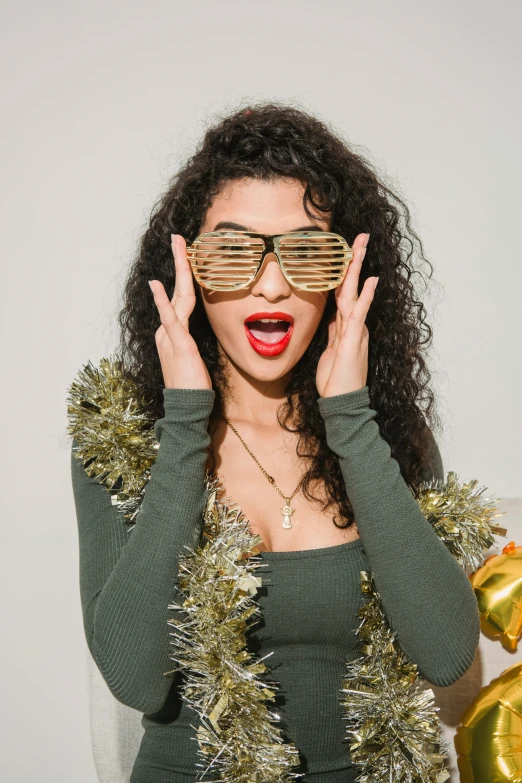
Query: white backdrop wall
[[102, 101]]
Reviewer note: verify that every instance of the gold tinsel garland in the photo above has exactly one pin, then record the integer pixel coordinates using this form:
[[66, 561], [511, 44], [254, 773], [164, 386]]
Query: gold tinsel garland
[[237, 735], [109, 418], [392, 726], [390, 716], [391, 720]]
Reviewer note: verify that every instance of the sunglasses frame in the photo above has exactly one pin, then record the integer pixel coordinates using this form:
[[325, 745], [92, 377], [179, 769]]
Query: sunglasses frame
[[271, 245]]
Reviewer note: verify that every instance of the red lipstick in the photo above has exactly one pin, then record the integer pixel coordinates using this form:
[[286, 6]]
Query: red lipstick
[[265, 348]]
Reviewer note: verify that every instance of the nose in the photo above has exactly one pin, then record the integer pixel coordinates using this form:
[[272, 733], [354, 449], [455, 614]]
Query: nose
[[270, 281]]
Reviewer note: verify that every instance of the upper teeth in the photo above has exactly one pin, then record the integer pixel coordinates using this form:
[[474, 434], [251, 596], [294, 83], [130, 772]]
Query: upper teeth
[[270, 320]]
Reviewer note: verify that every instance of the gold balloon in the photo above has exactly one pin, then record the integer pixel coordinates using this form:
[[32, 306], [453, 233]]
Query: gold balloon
[[489, 738], [498, 588]]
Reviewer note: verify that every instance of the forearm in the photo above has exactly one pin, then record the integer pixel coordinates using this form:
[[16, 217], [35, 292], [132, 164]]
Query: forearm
[[126, 594], [425, 593]]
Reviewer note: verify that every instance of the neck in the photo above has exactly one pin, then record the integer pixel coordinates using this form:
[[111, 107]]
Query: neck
[[253, 400]]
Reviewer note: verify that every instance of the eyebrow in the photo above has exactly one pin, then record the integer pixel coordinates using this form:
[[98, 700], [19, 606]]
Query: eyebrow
[[239, 227]]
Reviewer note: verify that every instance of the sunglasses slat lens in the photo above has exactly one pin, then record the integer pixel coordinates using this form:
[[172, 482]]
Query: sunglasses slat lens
[[226, 261]]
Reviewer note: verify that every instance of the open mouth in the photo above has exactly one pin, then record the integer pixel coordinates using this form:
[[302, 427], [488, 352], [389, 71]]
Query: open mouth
[[269, 331]]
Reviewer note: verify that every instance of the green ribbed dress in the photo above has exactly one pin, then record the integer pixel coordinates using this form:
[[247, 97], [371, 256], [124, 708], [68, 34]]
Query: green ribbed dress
[[308, 601]]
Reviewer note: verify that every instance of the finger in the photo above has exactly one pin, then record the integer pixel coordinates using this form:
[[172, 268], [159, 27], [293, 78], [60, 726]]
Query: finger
[[184, 297], [356, 320], [332, 328], [347, 293], [337, 329], [176, 331]]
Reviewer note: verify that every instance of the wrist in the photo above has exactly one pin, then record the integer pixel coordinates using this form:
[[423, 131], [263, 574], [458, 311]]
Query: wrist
[[347, 402]]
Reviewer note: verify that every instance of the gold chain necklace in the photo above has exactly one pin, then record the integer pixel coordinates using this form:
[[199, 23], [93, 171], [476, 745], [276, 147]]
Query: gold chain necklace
[[286, 511]]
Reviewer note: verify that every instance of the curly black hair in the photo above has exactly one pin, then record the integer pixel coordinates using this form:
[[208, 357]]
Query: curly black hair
[[269, 140]]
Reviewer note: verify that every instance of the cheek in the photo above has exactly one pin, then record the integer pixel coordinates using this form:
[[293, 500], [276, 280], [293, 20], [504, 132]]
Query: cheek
[[223, 319], [312, 314], [310, 324]]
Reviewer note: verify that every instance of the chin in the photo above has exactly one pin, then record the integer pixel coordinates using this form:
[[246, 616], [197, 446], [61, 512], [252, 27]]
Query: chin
[[262, 368]]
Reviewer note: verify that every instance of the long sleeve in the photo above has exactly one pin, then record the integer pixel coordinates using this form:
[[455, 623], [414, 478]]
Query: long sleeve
[[425, 593], [127, 578]]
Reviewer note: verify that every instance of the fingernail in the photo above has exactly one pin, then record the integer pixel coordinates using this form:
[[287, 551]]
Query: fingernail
[[376, 280], [172, 238], [151, 286], [367, 239]]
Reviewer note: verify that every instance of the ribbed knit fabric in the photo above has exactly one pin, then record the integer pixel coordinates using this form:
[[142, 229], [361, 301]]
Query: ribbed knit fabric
[[308, 601]]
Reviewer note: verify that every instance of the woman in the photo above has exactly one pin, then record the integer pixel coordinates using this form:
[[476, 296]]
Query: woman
[[322, 437]]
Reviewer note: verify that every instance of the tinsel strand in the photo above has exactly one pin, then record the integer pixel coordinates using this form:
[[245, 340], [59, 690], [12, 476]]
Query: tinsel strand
[[391, 720], [237, 729], [109, 419]]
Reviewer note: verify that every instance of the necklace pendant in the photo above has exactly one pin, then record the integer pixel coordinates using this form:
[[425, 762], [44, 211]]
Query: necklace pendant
[[287, 513]]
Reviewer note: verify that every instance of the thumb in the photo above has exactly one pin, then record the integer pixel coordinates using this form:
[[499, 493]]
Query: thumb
[[331, 331]]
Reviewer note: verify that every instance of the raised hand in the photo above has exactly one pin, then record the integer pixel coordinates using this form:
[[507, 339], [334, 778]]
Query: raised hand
[[181, 362], [343, 366]]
